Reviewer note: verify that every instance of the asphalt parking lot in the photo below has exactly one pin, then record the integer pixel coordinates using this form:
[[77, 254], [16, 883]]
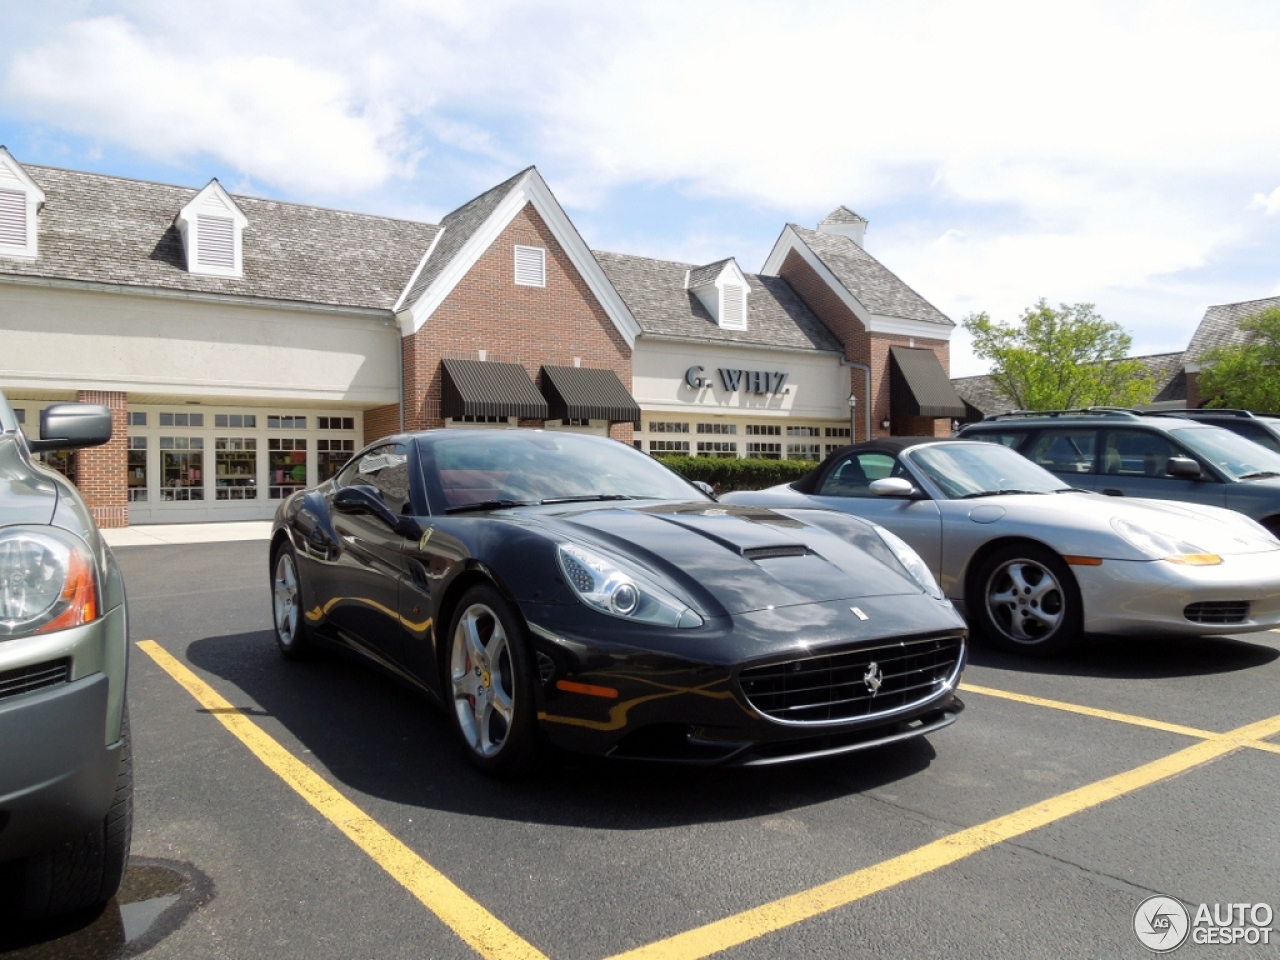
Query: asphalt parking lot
[[319, 810]]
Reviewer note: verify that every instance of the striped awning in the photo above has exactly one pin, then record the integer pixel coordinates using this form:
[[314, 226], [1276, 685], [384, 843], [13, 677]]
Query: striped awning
[[919, 387], [588, 393], [476, 388]]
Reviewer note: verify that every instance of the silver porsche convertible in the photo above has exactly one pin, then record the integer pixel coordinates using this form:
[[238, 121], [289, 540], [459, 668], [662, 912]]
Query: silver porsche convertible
[[1034, 563]]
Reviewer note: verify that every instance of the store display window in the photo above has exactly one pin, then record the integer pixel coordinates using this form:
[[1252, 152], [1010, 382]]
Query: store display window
[[236, 468], [287, 465], [331, 455], [137, 462], [181, 466]]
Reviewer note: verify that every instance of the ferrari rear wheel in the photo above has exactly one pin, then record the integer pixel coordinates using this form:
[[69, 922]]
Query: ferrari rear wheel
[[286, 604], [491, 685], [1028, 601]]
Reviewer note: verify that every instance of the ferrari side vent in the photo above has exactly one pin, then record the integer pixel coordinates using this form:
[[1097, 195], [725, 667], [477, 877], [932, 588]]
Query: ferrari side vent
[[852, 684], [14, 683], [1217, 611], [769, 553]]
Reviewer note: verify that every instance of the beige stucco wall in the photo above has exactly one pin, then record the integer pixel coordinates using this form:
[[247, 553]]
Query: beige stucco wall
[[53, 338], [817, 387]]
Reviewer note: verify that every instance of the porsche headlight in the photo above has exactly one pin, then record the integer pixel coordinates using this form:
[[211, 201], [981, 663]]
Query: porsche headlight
[[913, 562], [606, 586], [47, 582], [1159, 547]]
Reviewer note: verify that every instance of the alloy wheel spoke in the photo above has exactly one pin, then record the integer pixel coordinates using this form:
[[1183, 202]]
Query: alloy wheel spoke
[[471, 635]]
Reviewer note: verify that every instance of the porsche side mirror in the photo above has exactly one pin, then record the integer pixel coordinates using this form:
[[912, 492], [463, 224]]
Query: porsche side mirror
[[1183, 467], [705, 488], [893, 487], [67, 425]]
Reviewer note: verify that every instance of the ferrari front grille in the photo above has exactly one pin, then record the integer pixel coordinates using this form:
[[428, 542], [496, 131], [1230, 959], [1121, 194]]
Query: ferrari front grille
[[852, 684], [1217, 611], [14, 683]]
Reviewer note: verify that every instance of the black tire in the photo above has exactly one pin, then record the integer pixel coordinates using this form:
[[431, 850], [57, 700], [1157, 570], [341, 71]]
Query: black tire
[[85, 873], [489, 685], [288, 617], [1024, 599]]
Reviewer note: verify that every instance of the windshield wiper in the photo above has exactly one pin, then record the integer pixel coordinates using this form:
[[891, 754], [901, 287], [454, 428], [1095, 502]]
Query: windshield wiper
[[994, 493], [590, 498], [1259, 475], [489, 505]]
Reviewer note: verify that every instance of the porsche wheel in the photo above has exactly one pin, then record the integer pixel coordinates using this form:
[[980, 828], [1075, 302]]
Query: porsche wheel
[[286, 603], [1028, 601], [491, 685]]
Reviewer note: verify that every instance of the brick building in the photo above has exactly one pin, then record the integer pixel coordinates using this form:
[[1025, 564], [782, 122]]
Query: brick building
[[248, 347]]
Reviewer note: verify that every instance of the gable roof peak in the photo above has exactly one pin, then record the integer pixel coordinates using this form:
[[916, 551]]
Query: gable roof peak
[[842, 214], [710, 273]]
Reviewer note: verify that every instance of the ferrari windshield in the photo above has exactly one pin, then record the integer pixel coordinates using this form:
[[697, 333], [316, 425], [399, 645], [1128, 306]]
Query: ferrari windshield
[[503, 468], [1231, 453], [964, 470]]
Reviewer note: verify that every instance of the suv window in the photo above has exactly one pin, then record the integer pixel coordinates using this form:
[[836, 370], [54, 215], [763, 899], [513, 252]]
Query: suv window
[[1250, 430], [1006, 438], [1137, 453], [853, 477], [1065, 451], [386, 468]]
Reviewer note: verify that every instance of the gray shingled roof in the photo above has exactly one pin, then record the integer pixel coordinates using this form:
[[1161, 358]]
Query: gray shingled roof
[[1221, 326], [699, 276], [981, 394], [875, 286], [459, 227], [111, 230], [843, 214], [655, 292]]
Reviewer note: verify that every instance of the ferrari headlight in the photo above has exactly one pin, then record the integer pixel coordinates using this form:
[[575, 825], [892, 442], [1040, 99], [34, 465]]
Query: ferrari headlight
[[606, 586], [47, 582], [1159, 547], [913, 562]]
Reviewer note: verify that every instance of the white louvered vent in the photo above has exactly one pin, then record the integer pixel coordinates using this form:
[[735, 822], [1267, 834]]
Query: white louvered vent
[[13, 218], [732, 315], [531, 267], [216, 242]]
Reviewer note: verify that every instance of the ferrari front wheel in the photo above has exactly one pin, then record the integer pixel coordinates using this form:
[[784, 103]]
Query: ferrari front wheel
[[491, 689]]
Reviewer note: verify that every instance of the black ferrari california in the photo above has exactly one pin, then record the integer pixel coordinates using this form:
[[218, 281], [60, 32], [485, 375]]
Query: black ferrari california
[[549, 587]]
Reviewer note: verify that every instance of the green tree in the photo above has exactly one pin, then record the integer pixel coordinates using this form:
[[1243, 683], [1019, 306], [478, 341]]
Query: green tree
[[1246, 375], [1061, 359]]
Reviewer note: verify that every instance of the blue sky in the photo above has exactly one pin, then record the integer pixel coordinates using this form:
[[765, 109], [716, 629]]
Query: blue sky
[[1123, 154]]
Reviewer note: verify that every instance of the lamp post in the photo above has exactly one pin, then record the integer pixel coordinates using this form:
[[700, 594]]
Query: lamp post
[[853, 419]]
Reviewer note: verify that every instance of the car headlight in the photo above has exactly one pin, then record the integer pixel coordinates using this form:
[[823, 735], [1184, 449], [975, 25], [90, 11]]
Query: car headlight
[[1159, 547], [606, 586], [912, 561], [47, 582]]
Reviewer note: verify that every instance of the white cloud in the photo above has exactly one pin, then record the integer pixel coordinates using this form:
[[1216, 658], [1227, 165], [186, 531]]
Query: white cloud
[[1268, 202]]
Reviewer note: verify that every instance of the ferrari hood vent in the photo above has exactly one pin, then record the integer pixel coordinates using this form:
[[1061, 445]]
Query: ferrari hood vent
[[783, 550]]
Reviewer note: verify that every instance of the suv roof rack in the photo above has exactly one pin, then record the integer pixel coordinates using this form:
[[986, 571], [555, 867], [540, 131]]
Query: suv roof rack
[[1078, 412], [1213, 412]]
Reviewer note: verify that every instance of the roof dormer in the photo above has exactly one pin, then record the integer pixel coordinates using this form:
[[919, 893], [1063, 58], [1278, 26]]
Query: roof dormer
[[212, 227], [844, 222], [722, 288], [20, 202]]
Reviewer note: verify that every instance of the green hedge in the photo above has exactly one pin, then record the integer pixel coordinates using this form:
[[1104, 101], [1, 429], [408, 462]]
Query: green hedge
[[730, 473]]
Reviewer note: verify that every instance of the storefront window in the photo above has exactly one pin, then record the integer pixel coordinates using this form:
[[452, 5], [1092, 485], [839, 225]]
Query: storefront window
[[137, 467], [804, 451], [286, 423], [716, 448], [661, 426], [669, 446], [20, 414], [235, 421], [181, 419], [335, 423], [331, 455], [287, 463], [137, 418], [837, 432], [764, 430], [721, 428], [804, 431], [181, 466], [236, 467], [765, 451], [64, 461]]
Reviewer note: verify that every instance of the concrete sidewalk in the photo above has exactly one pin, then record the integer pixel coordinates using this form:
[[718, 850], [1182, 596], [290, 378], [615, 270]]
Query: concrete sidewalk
[[169, 533]]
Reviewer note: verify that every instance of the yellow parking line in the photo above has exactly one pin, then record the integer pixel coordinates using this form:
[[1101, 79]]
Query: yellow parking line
[[1090, 711], [751, 924], [481, 930]]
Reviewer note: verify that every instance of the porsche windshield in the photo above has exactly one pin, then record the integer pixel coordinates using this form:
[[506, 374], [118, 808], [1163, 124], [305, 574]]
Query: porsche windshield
[[1231, 453], [501, 468], [969, 470]]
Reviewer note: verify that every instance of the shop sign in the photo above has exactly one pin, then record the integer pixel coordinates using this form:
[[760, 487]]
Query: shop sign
[[748, 381]]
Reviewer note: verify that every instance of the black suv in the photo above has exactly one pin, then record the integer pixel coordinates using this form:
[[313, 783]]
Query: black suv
[[1263, 428], [66, 787], [1128, 453]]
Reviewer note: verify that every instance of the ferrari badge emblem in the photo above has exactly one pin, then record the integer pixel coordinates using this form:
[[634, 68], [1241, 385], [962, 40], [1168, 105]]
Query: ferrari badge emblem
[[426, 535], [858, 613], [873, 677]]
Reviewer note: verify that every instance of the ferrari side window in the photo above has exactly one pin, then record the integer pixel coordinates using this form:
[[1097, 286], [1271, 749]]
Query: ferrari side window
[[387, 469]]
